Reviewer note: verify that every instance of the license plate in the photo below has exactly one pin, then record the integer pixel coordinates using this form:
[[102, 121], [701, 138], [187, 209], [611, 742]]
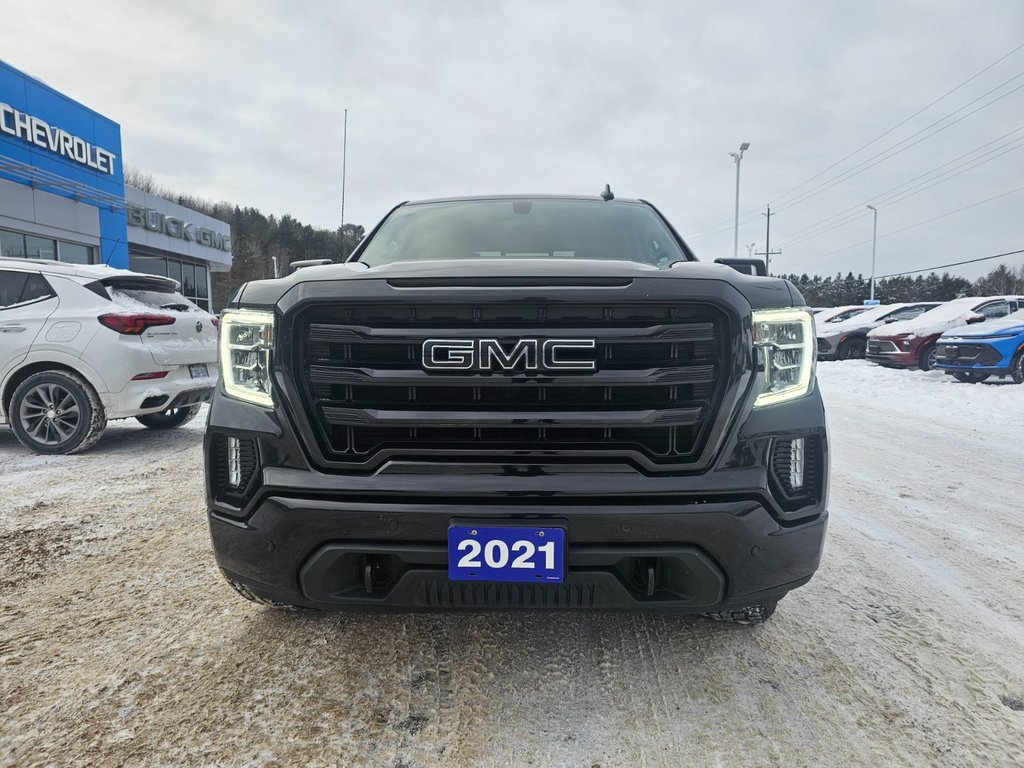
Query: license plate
[[948, 351], [199, 371], [506, 553]]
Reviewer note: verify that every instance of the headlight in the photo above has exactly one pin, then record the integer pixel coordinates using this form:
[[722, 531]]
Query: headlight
[[246, 341], [784, 338]]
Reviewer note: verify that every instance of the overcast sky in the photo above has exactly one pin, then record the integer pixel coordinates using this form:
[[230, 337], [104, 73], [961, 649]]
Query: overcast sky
[[243, 101]]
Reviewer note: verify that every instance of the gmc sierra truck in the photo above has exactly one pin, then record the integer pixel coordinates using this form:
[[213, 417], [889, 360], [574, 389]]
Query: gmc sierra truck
[[519, 403]]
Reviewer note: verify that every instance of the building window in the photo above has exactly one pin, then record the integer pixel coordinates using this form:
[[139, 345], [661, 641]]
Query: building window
[[73, 253], [15, 245], [12, 245], [148, 265], [194, 278], [40, 248]]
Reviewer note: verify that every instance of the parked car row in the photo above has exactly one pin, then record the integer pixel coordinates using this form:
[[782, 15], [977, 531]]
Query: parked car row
[[970, 338], [81, 345]]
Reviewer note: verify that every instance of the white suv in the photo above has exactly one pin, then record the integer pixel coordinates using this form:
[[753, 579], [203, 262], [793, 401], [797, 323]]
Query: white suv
[[80, 345]]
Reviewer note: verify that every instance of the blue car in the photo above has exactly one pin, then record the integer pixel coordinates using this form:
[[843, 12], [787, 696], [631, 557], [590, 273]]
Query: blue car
[[972, 353]]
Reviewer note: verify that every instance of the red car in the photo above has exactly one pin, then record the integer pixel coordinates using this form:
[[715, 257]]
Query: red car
[[911, 343]]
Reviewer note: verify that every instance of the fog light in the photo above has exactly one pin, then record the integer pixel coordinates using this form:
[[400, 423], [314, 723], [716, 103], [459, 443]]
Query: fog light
[[796, 463], [234, 449]]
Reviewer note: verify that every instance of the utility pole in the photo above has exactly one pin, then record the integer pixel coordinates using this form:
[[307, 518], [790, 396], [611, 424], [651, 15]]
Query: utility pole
[[768, 239], [874, 243], [737, 157], [344, 160], [768, 252]]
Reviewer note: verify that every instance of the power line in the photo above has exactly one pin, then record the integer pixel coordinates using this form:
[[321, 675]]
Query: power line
[[954, 264], [888, 198], [906, 183], [888, 153], [904, 122], [911, 226], [718, 228]]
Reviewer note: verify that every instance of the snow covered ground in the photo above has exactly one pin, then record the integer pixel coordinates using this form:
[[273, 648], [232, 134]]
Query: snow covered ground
[[121, 645]]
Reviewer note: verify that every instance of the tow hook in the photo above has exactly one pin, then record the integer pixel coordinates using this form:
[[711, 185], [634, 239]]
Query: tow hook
[[374, 571], [646, 573]]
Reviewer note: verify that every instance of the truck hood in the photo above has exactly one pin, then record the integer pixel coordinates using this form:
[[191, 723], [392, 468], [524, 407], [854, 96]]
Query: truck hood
[[760, 292]]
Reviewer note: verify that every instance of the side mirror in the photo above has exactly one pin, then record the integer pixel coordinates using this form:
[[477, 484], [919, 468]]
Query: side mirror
[[746, 266], [975, 317]]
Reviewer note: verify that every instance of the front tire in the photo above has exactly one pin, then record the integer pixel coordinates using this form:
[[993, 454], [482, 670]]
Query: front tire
[[56, 412], [927, 360], [172, 418], [852, 349], [969, 377], [1017, 367], [751, 614]]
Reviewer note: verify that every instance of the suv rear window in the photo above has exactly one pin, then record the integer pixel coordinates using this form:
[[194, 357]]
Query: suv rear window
[[524, 229], [151, 295]]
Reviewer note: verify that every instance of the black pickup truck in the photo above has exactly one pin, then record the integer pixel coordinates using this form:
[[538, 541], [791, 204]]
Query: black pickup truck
[[519, 402]]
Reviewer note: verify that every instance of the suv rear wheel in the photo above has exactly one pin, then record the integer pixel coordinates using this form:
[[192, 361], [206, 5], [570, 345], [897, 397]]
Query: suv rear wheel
[[169, 419], [56, 412]]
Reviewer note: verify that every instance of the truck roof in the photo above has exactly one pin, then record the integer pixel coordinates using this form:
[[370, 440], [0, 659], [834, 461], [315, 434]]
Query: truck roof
[[479, 198]]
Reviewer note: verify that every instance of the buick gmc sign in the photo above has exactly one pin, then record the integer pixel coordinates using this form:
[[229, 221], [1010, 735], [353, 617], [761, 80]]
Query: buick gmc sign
[[175, 227]]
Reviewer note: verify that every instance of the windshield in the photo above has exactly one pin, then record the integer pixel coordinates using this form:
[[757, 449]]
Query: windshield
[[908, 313], [846, 315], [524, 229]]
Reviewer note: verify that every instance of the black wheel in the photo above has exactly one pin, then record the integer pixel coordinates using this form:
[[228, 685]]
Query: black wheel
[[927, 360], [1017, 367], [56, 412], [969, 377], [169, 419], [751, 614], [852, 349]]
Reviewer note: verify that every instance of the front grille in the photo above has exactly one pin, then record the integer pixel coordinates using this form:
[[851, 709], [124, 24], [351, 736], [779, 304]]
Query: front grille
[[881, 347], [660, 375], [823, 346], [968, 354], [438, 594]]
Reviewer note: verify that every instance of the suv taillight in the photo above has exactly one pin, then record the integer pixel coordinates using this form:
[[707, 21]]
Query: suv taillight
[[134, 325]]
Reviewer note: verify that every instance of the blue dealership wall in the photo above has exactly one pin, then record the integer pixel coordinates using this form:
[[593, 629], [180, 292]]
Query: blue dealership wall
[[28, 95]]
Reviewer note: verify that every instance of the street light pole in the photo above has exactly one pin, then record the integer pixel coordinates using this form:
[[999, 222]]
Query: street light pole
[[737, 157], [874, 244]]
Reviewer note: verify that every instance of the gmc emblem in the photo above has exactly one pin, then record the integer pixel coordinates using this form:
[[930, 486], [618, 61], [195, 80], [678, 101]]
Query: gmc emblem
[[492, 355]]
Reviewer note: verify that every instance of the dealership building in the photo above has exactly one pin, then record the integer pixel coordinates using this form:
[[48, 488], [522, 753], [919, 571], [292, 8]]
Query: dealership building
[[63, 196]]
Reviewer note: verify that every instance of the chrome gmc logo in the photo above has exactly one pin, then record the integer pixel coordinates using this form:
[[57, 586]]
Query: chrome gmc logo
[[492, 355]]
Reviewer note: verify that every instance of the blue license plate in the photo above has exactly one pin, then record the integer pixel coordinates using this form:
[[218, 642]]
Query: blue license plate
[[506, 553]]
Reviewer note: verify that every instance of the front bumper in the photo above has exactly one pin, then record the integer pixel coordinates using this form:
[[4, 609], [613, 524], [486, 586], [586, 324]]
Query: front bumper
[[828, 347], [708, 556], [719, 539], [898, 359]]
